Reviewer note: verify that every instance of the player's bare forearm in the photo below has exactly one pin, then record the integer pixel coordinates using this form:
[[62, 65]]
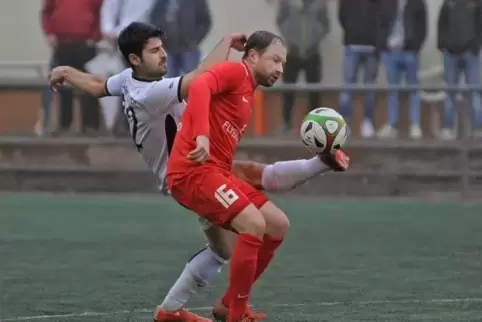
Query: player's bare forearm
[[249, 171], [92, 84]]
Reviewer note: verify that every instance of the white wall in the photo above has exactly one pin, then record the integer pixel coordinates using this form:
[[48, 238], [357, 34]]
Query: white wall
[[22, 39]]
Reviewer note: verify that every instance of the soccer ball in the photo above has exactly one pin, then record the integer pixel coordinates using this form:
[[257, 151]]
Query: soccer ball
[[323, 130]]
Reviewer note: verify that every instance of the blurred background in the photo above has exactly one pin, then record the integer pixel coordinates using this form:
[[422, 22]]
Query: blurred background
[[395, 238], [405, 75]]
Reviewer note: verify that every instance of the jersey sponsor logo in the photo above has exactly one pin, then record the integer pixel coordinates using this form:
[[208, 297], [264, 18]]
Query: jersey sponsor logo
[[232, 131]]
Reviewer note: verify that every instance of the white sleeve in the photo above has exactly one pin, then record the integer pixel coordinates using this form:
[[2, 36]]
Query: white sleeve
[[113, 85], [164, 93]]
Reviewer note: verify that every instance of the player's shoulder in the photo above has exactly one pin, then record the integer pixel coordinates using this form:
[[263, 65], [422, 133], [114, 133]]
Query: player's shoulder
[[231, 69], [123, 75], [165, 89], [230, 65]]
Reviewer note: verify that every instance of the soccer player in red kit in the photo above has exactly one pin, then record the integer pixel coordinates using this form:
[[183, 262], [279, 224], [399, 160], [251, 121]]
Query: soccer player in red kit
[[199, 170]]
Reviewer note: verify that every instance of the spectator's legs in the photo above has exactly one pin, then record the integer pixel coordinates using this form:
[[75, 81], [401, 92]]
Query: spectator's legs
[[411, 63], [451, 76], [82, 52], [90, 107], [370, 64], [290, 76], [472, 77], [391, 60], [47, 97], [351, 63], [64, 53], [313, 67]]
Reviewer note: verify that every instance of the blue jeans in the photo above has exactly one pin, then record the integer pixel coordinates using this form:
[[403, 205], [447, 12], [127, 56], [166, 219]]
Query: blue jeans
[[467, 64], [397, 64], [182, 63], [47, 96], [353, 62]]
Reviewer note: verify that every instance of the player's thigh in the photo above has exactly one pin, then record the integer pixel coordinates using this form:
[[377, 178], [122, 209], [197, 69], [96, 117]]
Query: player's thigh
[[249, 221], [277, 222], [249, 171]]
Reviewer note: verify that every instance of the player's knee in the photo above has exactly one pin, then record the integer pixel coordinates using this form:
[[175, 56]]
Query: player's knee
[[250, 221], [277, 222], [279, 226], [221, 241]]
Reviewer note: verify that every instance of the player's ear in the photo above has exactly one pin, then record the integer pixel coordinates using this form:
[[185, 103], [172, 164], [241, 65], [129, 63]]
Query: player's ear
[[134, 60], [252, 56]]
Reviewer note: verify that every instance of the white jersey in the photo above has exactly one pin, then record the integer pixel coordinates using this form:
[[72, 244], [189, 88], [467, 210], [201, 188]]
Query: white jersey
[[153, 109]]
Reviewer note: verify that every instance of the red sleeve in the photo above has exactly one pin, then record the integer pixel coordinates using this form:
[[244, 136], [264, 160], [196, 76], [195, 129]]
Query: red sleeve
[[47, 10], [221, 78]]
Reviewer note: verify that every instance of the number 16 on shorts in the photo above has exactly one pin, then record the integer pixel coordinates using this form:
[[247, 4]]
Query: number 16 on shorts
[[225, 197]]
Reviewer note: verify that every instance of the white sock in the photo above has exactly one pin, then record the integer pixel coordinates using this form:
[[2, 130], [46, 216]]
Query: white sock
[[287, 175], [198, 272]]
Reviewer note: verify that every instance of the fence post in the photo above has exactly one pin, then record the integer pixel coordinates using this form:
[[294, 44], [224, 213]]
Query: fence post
[[258, 110]]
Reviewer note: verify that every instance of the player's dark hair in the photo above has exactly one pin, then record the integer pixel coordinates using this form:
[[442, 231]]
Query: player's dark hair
[[134, 38], [259, 41]]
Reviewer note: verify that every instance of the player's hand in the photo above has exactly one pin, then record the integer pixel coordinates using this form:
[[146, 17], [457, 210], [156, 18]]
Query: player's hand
[[337, 160], [201, 153], [238, 40], [57, 78]]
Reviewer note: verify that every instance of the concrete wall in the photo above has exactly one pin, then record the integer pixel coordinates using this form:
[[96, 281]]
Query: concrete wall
[[22, 40]]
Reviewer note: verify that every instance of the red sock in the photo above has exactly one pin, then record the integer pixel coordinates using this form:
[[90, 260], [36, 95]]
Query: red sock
[[241, 275], [265, 255]]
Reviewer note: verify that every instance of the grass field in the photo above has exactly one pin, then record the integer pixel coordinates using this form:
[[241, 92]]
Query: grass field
[[112, 259]]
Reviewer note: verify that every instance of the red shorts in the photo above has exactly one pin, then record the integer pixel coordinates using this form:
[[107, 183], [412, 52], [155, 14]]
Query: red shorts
[[214, 194]]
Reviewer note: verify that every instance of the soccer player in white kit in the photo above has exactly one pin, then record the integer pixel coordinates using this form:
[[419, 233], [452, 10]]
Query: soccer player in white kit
[[153, 106]]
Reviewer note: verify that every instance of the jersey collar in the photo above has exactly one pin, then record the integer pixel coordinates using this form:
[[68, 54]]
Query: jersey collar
[[250, 75], [141, 79]]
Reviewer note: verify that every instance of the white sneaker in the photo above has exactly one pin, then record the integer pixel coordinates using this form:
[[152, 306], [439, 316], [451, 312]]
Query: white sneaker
[[415, 132], [367, 129], [387, 132], [447, 134]]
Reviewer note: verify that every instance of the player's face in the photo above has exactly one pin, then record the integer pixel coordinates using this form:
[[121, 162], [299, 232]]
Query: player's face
[[270, 65], [153, 63]]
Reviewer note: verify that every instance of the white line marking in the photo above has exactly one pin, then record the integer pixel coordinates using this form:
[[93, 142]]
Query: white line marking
[[287, 305]]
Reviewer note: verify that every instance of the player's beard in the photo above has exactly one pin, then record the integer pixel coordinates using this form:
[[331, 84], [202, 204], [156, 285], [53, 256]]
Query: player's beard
[[269, 81]]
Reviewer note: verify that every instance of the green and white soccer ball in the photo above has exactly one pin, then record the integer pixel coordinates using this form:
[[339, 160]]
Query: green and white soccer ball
[[323, 130]]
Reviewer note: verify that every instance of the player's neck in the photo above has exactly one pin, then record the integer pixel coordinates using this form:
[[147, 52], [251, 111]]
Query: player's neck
[[145, 78], [251, 72]]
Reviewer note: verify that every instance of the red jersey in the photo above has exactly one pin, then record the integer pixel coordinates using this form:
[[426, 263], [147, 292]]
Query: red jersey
[[219, 107]]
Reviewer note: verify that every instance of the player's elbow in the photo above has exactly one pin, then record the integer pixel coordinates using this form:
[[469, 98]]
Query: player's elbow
[[98, 87]]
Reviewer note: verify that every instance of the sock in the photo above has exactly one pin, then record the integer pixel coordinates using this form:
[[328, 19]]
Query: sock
[[287, 175], [198, 272], [265, 255], [242, 272]]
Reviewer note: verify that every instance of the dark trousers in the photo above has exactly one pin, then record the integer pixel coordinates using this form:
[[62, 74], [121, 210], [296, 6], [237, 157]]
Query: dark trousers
[[312, 66], [77, 54]]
